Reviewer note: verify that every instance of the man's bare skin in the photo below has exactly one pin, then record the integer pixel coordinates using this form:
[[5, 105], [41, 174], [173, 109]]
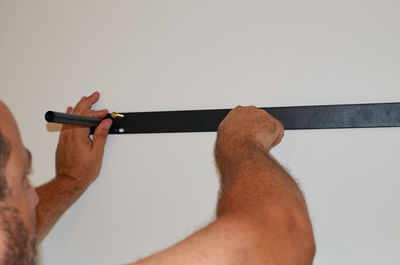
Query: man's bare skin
[[78, 163], [261, 214], [262, 217]]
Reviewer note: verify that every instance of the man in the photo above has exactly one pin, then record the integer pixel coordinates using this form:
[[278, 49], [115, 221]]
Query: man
[[262, 217], [78, 163]]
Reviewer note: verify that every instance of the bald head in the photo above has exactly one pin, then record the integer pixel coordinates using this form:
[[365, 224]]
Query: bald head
[[7, 127], [6, 123], [4, 155]]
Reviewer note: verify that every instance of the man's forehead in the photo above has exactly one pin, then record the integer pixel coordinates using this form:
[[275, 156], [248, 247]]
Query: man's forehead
[[8, 125]]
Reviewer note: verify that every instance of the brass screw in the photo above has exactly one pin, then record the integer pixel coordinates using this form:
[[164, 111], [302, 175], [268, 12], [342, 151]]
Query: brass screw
[[116, 115]]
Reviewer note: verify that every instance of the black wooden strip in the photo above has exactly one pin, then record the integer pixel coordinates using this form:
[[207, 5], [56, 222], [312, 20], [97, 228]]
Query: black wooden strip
[[293, 118]]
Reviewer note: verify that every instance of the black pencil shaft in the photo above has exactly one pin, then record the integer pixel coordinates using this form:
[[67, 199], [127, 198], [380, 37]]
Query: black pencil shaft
[[59, 117]]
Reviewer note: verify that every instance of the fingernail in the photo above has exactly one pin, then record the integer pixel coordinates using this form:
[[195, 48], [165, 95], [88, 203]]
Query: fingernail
[[104, 112]]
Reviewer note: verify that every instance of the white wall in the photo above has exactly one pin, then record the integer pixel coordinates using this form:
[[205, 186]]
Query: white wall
[[168, 55]]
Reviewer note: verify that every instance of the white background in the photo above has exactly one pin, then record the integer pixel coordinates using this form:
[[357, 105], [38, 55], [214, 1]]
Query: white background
[[169, 55]]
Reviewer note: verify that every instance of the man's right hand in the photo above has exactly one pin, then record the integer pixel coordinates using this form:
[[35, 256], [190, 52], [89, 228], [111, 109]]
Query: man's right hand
[[249, 125]]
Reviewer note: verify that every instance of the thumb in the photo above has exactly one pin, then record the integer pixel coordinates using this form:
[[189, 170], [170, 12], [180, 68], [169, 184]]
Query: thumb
[[101, 133]]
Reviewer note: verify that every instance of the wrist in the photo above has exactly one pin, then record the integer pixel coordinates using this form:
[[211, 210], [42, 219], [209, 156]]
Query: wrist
[[234, 159], [73, 182], [229, 148]]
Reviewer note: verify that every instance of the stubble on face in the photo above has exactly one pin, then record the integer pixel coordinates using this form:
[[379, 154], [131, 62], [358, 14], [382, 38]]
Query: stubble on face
[[19, 244]]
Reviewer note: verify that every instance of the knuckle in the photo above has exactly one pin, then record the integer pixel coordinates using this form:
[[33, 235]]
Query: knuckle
[[279, 125], [279, 128], [82, 100]]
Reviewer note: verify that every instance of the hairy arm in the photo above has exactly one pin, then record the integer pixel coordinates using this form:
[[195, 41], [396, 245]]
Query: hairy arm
[[78, 163], [55, 197], [261, 214]]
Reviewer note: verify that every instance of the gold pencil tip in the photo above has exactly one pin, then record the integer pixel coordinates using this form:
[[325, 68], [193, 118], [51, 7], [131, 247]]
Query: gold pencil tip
[[115, 115]]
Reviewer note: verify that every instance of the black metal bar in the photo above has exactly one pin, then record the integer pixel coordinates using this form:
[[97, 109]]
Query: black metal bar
[[293, 118], [338, 116]]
